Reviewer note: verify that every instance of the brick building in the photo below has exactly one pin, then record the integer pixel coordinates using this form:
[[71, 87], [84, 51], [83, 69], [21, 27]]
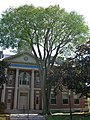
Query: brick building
[[23, 89]]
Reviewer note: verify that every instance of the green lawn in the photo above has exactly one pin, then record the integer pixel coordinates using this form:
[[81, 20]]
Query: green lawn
[[67, 117], [4, 117]]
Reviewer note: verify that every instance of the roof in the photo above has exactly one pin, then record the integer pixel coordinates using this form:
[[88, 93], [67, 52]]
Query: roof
[[8, 57]]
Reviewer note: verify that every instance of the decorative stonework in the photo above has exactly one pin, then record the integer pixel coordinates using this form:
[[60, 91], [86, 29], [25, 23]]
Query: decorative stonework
[[26, 58]]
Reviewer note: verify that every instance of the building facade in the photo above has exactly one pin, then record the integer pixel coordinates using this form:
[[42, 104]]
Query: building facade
[[23, 88]]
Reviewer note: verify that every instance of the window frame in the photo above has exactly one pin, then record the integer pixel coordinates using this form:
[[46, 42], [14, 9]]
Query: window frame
[[76, 97], [22, 81], [53, 98], [66, 95], [9, 100]]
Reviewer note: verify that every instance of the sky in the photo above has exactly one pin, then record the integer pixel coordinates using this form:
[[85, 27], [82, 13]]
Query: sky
[[80, 6]]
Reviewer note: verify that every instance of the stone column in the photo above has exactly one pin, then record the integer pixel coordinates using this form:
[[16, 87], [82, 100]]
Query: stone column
[[3, 93], [32, 91], [4, 88], [16, 88]]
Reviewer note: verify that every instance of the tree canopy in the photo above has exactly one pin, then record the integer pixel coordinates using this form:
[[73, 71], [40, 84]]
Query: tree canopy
[[74, 73], [3, 76], [46, 27], [82, 69], [44, 31]]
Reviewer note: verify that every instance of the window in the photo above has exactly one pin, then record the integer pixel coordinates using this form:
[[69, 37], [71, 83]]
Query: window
[[24, 78], [37, 79], [65, 99], [37, 99], [11, 77], [53, 99], [9, 101], [76, 99], [9, 98]]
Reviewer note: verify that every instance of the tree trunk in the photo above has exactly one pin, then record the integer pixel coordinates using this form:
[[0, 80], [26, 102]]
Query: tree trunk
[[48, 99], [42, 78], [45, 92]]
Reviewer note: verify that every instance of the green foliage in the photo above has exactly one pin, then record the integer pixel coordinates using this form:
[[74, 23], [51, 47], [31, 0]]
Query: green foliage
[[3, 77], [82, 69], [43, 30], [67, 117], [75, 72], [18, 26], [2, 107]]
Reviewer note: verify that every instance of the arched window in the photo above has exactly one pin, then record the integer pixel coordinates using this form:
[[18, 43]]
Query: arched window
[[24, 78]]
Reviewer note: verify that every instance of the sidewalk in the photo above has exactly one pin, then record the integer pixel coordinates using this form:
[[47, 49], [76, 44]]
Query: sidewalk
[[26, 117]]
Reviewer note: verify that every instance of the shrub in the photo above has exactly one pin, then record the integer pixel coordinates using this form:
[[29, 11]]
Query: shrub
[[2, 107]]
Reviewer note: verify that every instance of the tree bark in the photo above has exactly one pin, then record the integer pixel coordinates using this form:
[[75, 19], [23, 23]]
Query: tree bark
[[42, 77]]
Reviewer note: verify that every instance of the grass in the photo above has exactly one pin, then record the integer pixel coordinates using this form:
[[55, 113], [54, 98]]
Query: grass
[[4, 117], [66, 116], [60, 116]]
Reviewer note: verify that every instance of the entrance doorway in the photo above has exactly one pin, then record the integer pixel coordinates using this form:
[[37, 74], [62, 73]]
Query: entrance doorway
[[37, 102], [23, 100]]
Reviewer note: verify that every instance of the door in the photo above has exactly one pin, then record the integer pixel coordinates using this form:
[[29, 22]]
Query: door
[[37, 102], [23, 101]]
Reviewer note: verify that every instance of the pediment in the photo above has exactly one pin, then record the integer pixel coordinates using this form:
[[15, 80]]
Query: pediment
[[22, 58]]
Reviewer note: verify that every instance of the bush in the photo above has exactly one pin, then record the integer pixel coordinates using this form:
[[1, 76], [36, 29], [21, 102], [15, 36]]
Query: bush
[[2, 107]]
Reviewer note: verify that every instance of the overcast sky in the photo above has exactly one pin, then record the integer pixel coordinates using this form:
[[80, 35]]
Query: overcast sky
[[80, 6]]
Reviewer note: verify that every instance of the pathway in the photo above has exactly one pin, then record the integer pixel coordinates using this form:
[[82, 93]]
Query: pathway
[[26, 117]]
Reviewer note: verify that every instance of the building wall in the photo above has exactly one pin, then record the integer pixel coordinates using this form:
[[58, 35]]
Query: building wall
[[31, 92]]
